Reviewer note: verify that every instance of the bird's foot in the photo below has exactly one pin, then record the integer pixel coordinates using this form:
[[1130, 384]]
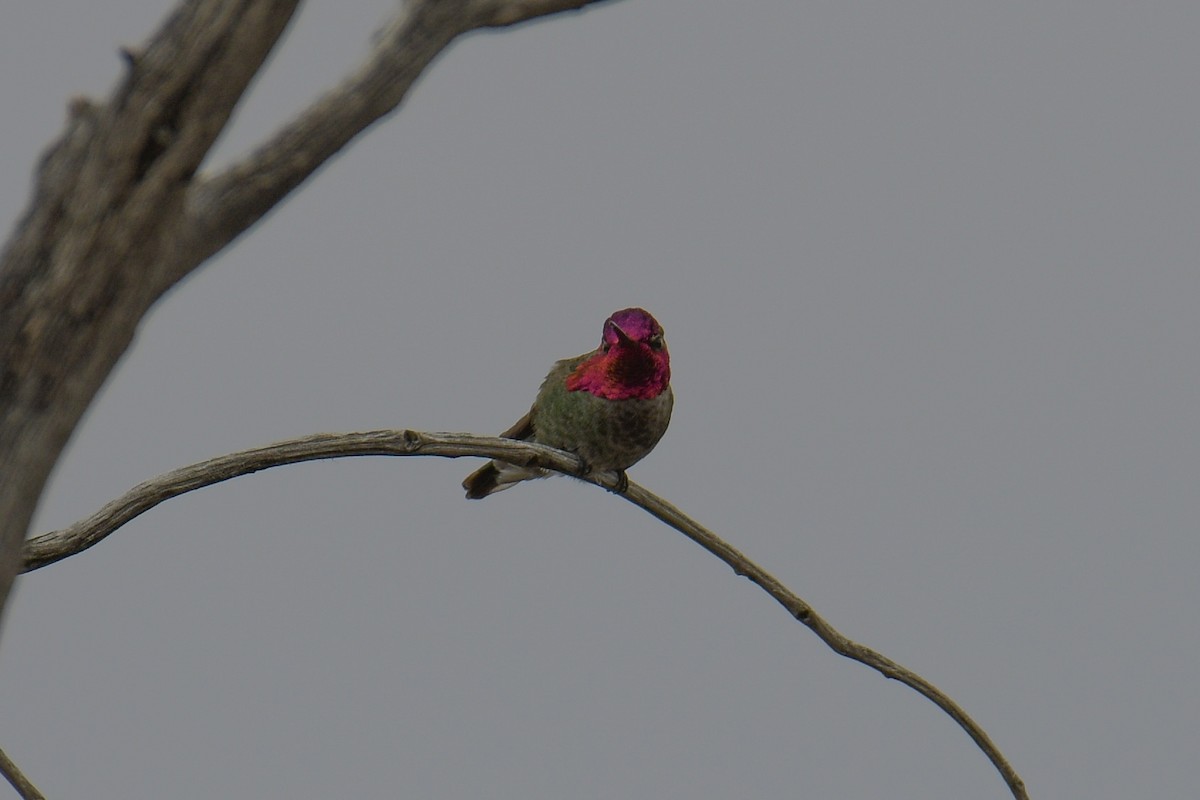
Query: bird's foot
[[585, 469]]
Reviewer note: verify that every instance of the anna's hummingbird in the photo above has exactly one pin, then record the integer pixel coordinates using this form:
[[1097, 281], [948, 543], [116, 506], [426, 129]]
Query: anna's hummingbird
[[609, 407]]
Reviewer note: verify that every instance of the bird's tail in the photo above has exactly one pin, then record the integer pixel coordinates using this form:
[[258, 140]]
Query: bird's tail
[[496, 476]]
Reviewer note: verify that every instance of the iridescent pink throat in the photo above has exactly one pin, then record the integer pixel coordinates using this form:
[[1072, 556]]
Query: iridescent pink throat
[[625, 371]]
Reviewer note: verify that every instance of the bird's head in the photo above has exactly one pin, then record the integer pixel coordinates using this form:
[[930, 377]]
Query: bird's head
[[631, 362]]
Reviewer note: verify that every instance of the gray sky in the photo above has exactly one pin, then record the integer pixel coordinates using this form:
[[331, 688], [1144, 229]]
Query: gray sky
[[929, 276]]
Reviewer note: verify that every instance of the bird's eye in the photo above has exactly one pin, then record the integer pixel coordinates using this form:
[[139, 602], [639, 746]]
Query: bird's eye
[[604, 346], [656, 342]]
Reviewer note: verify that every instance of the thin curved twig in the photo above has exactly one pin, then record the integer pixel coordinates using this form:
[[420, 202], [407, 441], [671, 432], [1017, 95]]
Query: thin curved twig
[[13, 774], [51, 547]]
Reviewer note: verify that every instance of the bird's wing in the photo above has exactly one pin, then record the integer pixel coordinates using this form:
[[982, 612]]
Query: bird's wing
[[523, 429]]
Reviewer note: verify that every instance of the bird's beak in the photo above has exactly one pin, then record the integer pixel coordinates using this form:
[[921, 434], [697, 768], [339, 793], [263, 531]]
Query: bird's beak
[[615, 330]]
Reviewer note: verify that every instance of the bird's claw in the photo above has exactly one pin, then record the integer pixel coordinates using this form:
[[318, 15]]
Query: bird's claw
[[585, 472], [585, 469]]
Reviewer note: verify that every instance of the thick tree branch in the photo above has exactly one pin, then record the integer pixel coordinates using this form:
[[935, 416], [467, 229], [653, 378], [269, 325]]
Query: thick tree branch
[[118, 215], [224, 205], [52, 547]]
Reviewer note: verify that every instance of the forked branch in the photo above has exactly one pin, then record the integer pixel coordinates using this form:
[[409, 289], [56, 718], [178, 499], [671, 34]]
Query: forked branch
[[52, 547], [121, 210]]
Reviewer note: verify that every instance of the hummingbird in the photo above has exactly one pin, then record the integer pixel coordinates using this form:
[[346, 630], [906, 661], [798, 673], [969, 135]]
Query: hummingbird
[[609, 407]]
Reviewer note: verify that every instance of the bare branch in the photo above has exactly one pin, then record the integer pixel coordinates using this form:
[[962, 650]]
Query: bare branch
[[118, 215], [23, 785], [224, 205], [52, 547]]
